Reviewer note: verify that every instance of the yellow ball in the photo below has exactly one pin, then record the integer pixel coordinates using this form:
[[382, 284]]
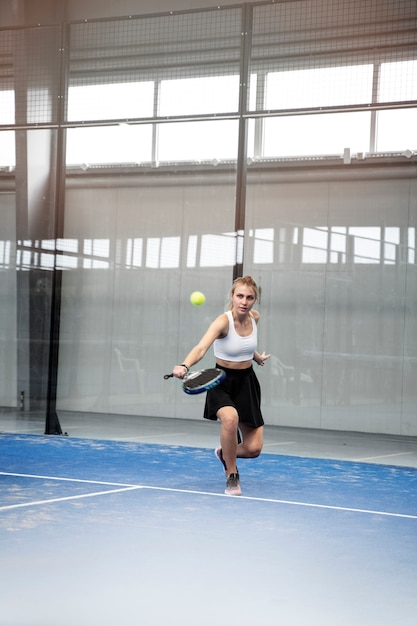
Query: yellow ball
[[197, 298]]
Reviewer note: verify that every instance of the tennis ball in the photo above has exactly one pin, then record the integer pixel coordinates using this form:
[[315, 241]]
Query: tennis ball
[[197, 298]]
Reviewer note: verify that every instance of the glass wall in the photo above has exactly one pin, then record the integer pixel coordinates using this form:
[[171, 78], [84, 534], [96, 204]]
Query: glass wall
[[338, 298], [138, 248], [142, 158]]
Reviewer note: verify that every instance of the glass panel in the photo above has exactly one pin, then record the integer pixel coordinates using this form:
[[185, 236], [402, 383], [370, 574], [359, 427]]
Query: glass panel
[[27, 254], [333, 305], [134, 249]]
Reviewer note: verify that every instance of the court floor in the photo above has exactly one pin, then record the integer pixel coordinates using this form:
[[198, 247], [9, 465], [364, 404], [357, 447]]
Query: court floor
[[133, 527], [349, 446]]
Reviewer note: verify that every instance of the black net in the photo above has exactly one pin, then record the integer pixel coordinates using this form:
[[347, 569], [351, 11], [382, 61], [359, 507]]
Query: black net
[[316, 54], [164, 66]]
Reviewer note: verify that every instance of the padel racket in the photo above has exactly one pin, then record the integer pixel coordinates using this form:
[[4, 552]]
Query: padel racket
[[203, 380]]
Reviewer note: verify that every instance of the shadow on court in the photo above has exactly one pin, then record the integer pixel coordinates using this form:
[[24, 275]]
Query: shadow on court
[[104, 533]]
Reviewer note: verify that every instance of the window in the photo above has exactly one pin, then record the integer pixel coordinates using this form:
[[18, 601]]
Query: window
[[320, 87], [123, 143], [323, 134], [397, 130], [197, 96], [114, 101], [198, 141], [398, 81], [7, 148]]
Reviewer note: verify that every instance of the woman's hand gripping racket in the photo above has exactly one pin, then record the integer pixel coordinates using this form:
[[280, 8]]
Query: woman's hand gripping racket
[[203, 380]]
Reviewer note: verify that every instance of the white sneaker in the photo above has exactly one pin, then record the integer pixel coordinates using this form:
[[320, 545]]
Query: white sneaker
[[233, 485]]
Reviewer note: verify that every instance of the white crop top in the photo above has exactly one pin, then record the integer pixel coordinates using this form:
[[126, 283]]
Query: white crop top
[[233, 347]]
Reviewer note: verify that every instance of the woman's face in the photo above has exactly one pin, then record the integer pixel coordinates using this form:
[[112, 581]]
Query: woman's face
[[243, 298]]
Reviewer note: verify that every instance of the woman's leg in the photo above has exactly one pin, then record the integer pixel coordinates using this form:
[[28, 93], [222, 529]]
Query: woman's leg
[[252, 443], [228, 436]]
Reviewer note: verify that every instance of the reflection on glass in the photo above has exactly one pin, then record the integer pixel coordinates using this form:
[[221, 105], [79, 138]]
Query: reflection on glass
[[134, 252], [67, 245], [192, 251], [338, 245], [163, 252], [335, 245], [5, 249], [263, 251], [218, 250], [314, 245], [412, 245]]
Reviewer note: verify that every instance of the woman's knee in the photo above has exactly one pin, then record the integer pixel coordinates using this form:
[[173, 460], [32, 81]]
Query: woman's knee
[[253, 443], [255, 450], [229, 418]]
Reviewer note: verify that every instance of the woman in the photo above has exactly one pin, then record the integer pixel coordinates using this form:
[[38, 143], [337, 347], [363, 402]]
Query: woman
[[236, 401]]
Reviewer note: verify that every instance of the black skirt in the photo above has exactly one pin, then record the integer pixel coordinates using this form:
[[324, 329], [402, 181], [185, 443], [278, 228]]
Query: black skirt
[[240, 389]]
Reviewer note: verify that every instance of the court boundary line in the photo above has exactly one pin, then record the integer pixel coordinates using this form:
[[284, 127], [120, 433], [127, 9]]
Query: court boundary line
[[129, 487], [66, 498], [381, 456], [289, 502], [64, 479]]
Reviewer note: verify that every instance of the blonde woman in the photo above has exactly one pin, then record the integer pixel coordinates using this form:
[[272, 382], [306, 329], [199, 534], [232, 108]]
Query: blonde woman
[[236, 402]]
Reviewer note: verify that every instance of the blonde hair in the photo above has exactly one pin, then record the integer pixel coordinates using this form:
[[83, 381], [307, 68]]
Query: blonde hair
[[243, 280]]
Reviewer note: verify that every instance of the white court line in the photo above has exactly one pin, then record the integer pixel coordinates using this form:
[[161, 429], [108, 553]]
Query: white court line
[[126, 487], [289, 502], [71, 480], [280, 443], [382, 456], [63, 499], [152, 435]]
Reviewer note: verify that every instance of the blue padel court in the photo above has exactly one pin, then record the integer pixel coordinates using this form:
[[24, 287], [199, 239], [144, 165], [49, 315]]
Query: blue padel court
[[102, 533]]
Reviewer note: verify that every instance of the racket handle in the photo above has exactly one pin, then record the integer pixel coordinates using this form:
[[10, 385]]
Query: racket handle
[[168, 376]]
